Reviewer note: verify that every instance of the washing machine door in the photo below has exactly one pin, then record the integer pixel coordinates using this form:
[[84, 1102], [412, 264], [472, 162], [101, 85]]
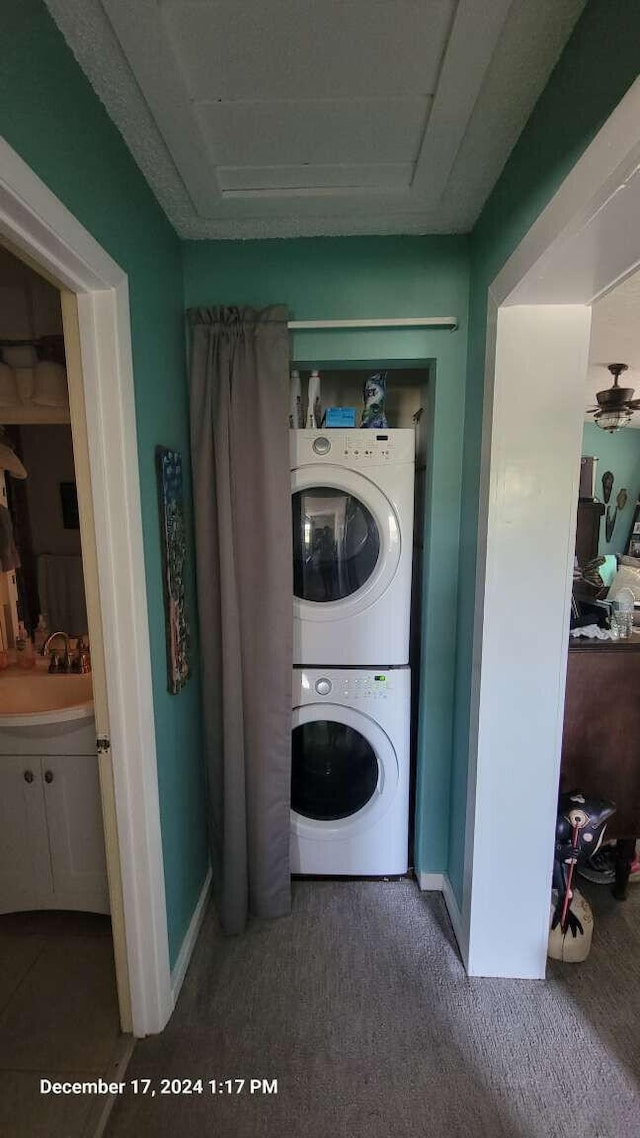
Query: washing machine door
[[346, 542], [344, 772]]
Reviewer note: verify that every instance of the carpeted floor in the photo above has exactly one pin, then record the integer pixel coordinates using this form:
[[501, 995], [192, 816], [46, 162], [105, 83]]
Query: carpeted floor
[[359, 1006]]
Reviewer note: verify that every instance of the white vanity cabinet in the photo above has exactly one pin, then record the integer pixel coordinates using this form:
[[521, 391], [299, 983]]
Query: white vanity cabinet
[[51, 834], [25, 862]]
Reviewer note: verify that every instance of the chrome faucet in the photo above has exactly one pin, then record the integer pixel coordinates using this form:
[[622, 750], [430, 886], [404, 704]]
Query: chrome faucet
[[57, 665]]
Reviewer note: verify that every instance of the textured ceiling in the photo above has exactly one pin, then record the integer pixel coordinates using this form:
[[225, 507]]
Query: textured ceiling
[[306, 117]]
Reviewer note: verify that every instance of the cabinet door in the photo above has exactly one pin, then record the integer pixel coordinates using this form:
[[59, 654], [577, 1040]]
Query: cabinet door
[[25, 866], [76, 836]]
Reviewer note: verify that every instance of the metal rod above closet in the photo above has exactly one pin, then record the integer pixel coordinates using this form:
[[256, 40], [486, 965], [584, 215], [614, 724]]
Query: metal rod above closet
[[394, 322]]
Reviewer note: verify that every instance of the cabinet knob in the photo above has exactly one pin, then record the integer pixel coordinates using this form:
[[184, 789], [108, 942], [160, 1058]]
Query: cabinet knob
[[28, 776], [48, 776]]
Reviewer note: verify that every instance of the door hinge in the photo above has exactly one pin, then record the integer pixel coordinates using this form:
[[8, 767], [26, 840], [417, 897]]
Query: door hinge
[[103, 743]]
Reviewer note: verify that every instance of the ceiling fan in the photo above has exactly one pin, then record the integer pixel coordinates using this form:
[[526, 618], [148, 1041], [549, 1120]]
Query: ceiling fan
[[615, 404]]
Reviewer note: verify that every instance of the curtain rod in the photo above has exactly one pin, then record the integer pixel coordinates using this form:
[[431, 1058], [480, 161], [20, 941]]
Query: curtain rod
[[394, 322]]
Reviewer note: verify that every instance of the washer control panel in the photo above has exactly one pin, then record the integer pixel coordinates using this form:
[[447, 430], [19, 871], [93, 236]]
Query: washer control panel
[[346, 686], [375, 686]]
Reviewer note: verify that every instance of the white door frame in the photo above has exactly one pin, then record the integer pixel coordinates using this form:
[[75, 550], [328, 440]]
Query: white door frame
[[36, 223], [585, 242]]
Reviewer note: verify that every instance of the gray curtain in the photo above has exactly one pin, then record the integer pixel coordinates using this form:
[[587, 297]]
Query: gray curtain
[[242, 489]]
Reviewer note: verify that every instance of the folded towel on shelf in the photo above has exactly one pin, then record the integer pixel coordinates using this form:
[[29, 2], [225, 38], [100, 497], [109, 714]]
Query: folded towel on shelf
[[61, 592]]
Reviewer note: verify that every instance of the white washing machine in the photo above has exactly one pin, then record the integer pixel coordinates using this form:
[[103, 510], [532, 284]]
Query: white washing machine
[[350, 771], [352, 510]]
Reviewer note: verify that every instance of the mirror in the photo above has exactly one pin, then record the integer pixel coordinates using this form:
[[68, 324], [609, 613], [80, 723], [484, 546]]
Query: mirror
[[44, 512]]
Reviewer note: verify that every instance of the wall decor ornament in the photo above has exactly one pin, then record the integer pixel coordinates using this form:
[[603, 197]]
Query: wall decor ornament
[[173, 544], [610, 522]]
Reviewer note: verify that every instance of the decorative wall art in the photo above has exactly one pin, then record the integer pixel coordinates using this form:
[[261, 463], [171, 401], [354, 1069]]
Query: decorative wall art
[[173, 542], [610, 521]]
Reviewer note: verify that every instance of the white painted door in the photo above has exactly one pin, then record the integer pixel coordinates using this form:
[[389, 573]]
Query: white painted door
[[76, 836], [25, 866]]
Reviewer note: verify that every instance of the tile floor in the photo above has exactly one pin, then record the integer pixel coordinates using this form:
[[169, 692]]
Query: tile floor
[[58, 1019]]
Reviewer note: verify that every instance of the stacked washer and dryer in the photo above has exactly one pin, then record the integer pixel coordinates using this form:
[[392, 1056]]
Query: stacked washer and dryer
[[352, 507]]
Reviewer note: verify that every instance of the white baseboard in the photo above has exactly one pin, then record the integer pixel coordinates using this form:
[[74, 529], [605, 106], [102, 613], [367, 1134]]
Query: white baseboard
[[453, 909], [431, 882], [179, 970], [439, 882]]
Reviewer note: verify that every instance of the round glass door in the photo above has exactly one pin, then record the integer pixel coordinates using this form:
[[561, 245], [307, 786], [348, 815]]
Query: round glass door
[[334, 770], [336, 544]]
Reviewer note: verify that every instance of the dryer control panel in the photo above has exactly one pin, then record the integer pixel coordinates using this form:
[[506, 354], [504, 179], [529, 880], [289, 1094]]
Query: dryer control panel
[[369, 445], [354, 448]]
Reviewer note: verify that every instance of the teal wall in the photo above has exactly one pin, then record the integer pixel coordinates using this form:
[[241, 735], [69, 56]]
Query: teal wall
[[337, 278], [49, 114], [598, 65], [620, 453], [51, 117]]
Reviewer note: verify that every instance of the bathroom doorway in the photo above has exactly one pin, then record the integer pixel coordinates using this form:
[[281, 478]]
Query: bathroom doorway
[[94, 290], [56, 924]]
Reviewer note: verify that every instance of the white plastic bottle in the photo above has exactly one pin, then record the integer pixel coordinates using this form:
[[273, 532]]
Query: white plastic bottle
[[295, 401], [314, 415]]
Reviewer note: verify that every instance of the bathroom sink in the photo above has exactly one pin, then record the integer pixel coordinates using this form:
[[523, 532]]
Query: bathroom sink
[[30, 698]]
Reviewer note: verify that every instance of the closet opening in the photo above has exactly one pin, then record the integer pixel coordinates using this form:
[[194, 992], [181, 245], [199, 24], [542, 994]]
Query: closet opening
[[406, 408]]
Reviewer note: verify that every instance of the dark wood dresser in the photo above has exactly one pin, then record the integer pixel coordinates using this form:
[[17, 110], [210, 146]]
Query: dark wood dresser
[[588, 529], [601, 739]]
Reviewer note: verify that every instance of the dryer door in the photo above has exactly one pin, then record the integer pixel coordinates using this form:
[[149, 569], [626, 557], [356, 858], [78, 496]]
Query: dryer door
[[344, 771], [346, 542]]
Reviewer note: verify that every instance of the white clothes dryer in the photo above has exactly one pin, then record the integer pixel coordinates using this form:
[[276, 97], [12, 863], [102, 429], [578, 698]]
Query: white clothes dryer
[[350, 771], [352, 515]]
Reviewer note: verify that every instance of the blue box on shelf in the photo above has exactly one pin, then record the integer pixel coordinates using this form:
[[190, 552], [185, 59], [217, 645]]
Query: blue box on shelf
[[340, 417]]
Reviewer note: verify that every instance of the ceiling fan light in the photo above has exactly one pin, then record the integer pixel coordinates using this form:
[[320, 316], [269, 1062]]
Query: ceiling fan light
[[612, 420]]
